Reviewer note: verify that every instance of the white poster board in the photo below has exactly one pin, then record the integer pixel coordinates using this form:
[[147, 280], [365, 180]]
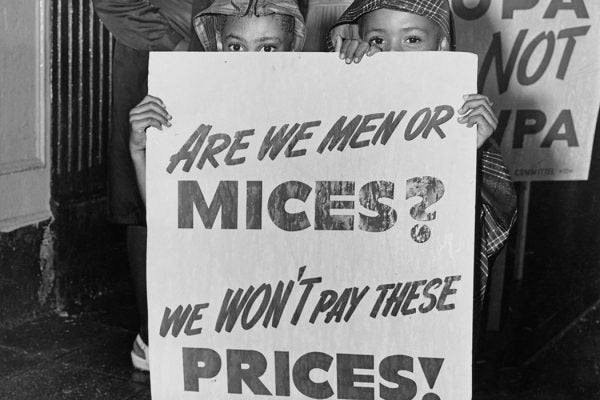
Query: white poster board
[[540, 64], [330, 190]]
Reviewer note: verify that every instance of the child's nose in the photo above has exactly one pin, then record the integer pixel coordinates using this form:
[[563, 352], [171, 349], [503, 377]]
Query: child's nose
[[396, 45]]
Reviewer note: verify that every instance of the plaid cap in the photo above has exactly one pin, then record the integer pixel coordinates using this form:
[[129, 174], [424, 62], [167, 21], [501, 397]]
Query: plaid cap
[[437, 11], [206, 23]]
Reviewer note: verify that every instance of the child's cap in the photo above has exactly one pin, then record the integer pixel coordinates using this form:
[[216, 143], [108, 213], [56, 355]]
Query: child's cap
[[437, 11], [206, 23]]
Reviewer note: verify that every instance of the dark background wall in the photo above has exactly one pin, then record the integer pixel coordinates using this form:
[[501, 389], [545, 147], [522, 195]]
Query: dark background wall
[[68, 262], [25, 290], [89, 250], [561, 277]]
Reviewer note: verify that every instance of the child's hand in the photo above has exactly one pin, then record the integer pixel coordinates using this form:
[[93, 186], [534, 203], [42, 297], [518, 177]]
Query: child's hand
[[151, 111], [348, 45], [478, 111]]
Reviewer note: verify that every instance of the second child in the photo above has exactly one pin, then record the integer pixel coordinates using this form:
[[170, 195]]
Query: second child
[[227, 25]]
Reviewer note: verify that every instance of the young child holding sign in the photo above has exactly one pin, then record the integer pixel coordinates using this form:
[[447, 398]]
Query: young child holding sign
[[246, 25], [371, 26]]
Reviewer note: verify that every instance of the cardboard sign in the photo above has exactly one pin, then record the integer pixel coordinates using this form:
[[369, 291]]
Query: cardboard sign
[[539, 61], [311, 227]]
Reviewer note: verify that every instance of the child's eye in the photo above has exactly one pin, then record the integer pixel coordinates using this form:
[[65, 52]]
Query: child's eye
[[268, 49], [235, 47], [377, 41], [413, 40]]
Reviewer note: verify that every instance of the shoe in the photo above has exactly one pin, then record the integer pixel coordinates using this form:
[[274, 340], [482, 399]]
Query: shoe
[[139, 354]]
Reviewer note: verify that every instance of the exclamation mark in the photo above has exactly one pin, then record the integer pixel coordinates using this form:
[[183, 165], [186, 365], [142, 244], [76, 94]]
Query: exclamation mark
[[431, 368]]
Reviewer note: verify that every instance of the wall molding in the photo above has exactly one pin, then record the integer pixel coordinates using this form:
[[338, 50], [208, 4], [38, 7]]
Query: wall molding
[[25, 182], [42, 83], [10, 224]]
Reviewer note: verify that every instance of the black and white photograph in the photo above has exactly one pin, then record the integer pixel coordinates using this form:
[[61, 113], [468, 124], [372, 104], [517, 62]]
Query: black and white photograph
[[399, 203]]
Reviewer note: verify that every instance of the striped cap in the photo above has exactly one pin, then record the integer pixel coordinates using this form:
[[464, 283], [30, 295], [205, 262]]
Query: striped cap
[[437, 11], [206, 23]]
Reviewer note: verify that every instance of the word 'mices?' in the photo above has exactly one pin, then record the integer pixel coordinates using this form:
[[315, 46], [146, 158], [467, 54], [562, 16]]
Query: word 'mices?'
[[374, 217]]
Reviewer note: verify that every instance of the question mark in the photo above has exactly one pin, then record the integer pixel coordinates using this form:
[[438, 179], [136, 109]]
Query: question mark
[[431, 190]]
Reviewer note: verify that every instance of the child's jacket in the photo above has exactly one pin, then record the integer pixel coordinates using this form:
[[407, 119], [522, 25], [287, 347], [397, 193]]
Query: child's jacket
[[151, 25], [206, 22], [498, 212]]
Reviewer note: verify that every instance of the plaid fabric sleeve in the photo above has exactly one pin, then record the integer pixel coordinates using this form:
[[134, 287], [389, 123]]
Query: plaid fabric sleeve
[[498, 213], [498, 202]]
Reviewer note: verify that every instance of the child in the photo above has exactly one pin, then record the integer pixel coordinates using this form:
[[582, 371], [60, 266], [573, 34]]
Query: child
[[227, 25], [251, 25], [371, 26], [138, 27]]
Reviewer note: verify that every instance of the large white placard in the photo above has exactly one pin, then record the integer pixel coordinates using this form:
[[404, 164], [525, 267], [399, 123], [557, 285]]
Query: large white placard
[[311, 227], [540, 63]]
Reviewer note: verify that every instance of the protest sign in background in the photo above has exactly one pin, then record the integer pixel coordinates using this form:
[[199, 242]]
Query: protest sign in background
[[311, 227], [539, 61]]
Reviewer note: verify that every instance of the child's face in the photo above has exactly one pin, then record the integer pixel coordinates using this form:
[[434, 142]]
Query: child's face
[[393, 30], [266, 33]]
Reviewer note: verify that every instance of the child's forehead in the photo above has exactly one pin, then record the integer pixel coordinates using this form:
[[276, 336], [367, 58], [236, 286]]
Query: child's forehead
[[385, 18], [272, 22]]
